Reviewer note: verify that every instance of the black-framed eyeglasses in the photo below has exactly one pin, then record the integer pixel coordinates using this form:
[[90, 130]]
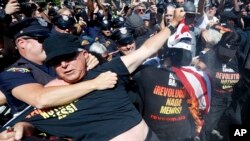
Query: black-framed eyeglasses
[[40, 39]]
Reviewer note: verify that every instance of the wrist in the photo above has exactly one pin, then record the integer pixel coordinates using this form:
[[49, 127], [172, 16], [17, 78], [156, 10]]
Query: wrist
[[92, 85], [171, 28]]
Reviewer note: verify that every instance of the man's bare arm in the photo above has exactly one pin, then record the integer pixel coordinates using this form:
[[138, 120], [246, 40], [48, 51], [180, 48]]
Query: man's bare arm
[[153, 44], [148, 48], [40, 97]]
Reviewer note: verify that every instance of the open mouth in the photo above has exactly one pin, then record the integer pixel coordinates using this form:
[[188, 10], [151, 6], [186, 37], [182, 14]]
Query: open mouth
[[68, 72]]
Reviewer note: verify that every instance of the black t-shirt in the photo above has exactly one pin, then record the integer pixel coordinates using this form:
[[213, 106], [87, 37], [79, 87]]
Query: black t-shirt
[[98, 116], [165, 108], [224, 75]]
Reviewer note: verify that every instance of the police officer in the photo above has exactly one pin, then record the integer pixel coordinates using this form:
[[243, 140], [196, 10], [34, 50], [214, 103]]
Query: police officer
[[125, 41], [28, 36], [118, 22], [104, 37], [126, 45], [63, 24], [23, 82]]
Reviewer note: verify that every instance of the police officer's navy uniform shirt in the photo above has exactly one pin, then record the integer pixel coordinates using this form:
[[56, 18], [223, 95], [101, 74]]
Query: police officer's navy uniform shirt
[[17, 75]]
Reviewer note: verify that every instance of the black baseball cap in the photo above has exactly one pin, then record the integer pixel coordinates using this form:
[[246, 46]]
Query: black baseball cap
[[61, 44]]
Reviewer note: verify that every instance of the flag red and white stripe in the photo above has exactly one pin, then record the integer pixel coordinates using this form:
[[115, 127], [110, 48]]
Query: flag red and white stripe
[[198, 85]]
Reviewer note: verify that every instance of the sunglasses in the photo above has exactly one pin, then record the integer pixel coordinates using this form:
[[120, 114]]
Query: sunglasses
[[141, 10], [40, 39], [128, 43]]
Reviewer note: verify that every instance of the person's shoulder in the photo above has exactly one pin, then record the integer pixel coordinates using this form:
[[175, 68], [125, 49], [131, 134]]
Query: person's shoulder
[[152, 70], [16, 72], [243, 34], [13, 74], [193, 70], [244, 41], [18, 67], [114, 64], [145, 70]]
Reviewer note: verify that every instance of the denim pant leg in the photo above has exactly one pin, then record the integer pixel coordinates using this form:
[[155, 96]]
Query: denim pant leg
[[218, 107]]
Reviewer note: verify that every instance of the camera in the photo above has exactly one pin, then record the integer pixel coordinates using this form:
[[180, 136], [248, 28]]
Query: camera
[[161, 8], [25, 7]]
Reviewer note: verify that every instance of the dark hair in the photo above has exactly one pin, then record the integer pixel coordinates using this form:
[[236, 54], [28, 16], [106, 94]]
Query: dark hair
[[140, 31]]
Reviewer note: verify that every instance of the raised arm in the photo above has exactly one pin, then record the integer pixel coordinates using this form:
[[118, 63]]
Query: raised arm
[[151, 45], [148, 48], [201, 5]]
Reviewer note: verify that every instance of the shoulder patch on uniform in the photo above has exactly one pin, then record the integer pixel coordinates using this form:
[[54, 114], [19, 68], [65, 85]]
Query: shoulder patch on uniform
[[85, 42], [107, 43], [22, 70]]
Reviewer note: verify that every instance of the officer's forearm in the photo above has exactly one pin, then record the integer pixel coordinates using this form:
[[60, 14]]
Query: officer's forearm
[[60, 95]]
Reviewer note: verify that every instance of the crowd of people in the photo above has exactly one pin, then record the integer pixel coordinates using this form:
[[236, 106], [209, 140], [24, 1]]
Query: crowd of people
[[139, 70]]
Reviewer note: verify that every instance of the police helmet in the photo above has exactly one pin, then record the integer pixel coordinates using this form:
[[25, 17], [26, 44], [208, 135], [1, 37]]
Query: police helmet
[[105, 25], [63, 21], [118, 22]]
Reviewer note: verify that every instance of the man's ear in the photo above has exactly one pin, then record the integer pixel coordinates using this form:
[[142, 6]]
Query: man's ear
[[85, 54], [20, 43]]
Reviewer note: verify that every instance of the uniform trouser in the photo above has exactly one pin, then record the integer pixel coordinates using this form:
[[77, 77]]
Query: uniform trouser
[[216, 113]]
